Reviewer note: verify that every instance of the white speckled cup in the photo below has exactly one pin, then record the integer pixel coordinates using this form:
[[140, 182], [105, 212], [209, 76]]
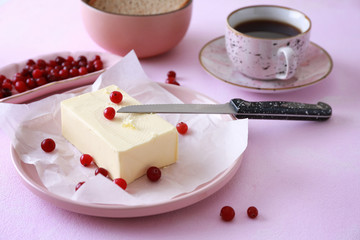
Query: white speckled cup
[[262, 57]]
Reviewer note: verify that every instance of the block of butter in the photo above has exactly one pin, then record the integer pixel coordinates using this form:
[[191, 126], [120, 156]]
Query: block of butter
[[128, 144]]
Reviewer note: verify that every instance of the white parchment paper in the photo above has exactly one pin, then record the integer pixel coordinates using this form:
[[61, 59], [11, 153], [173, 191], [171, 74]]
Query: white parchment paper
[[211, 146]]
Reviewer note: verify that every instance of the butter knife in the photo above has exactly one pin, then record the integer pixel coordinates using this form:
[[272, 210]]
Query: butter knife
[[239, 108]]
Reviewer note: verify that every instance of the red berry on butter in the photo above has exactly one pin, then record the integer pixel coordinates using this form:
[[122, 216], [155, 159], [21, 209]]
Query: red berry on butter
[[120, 182], [109, 113], [116, 97], [86, 160], [102, 171]]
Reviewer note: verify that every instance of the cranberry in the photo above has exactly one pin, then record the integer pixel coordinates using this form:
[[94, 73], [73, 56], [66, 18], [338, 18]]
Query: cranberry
[[18, 77], [48, 145], [86, 159], [227, 213], [59, 60], [171, 74], [97, 57], [74, 72], [64, 73], [153, 174], [41, 63], [79, 185], [5, 93], [30, 62], [172, 81], [82, 59], [102, 171], [30, 83], [7, 84], [116, 97], [98, 64], [83, 70], [182, 127], [66, 64], [2, 78], [20, 86], [90, 67], [41, 81], [52, 63], [75, 64], [37, 73], [41, 72], [109, 113], [252, 212], [70, 59], [25, 73], [120, 182]]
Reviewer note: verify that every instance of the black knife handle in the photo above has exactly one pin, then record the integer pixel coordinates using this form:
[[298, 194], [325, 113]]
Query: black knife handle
[[281, 110]]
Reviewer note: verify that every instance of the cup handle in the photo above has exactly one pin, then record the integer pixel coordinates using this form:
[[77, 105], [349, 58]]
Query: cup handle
[[290, 63]]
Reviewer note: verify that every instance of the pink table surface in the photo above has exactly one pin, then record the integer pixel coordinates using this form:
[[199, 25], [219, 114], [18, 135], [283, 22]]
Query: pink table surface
[[304, 177]]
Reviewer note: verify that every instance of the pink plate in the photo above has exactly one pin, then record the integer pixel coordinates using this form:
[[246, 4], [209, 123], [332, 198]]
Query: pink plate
[[56, 87], [33, 182]]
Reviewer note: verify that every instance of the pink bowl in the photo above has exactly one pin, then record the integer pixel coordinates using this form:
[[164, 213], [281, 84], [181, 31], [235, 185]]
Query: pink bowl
[[148, 35]]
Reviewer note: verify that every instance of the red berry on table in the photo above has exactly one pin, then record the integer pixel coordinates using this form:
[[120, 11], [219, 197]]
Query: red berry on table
[[120, 182], [227, 213], [102, 171], [153, 174], [48, 145], [182, 127], [116, 97], [172, 81], [79, 185], [171, 74], [86, 159], [109, 113], [252, 212]]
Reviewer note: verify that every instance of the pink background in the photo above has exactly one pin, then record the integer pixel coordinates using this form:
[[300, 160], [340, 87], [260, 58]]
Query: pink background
[[304, 177]]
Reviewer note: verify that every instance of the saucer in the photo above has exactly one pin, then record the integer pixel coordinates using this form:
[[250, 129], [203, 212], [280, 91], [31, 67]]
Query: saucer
[[316, 67]]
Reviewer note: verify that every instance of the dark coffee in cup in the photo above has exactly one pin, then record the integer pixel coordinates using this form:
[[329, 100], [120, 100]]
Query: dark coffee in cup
[[267, 29], [266, 41]]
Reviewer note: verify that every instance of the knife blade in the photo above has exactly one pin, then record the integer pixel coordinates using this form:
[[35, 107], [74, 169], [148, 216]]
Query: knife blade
[[239, 108]]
